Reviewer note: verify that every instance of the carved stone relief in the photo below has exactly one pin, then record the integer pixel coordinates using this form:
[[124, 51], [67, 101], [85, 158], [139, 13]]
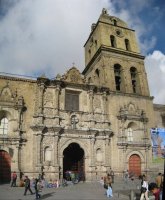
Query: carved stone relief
[[97, 104], [74, 76], [48, 99]]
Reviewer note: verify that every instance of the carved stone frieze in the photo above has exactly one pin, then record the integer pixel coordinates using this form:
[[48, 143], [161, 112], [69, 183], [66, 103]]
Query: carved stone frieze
[[97, 103], [131, 111], [48, 99], [48, 111], [47, 141], [73, 76]]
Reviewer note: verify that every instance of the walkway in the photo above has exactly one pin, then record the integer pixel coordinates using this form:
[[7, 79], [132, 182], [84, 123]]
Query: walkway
[[80, 191]]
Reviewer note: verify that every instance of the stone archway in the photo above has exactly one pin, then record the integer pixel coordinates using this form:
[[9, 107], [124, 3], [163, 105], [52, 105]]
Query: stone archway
[[135, 165], [73, 161], [5, 167]]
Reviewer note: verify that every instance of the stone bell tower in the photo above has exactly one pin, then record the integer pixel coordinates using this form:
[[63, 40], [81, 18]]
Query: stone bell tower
[[112, 57]]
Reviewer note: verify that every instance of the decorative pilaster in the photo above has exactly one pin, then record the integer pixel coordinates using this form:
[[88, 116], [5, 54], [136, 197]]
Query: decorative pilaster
[[92, 142], [105, 107], [91, 97], [91, 109], [38, 154], [41, 83], [107, 152], [57, 93], [41, 94], [55, 151]]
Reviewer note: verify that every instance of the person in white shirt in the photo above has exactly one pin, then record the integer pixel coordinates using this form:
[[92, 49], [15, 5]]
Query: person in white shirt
[[144, 188]]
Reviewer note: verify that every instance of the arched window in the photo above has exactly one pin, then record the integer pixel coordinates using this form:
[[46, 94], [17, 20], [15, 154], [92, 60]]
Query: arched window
[[133, 72], [89, 80], [117, 72], [47, 154], [127, 45], [115, 22], [113, 41], [97, 72], [3, 126], [130, 135]]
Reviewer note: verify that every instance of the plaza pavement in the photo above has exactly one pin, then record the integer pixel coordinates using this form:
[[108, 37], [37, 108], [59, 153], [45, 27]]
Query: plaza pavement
[[80, 191]]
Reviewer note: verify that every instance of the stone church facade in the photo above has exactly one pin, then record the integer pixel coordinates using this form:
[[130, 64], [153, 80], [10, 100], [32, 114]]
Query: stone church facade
[[84, 122]]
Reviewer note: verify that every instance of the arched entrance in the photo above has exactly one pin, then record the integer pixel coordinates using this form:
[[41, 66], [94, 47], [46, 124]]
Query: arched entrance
[[73, 161], [5, 167], [135, 164]]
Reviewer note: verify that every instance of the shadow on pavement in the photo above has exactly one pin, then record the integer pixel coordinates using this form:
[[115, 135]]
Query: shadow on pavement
[[44, 196]]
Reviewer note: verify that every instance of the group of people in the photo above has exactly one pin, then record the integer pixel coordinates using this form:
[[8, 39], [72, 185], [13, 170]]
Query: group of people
[[27, 184], [154, 187], [75, 177]]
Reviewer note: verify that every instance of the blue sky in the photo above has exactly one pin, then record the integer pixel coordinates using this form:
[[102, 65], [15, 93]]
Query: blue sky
[[47, 36]]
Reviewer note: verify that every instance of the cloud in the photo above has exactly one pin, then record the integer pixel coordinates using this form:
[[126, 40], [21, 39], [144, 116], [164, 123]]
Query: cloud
[[46, 35], [155, 67]]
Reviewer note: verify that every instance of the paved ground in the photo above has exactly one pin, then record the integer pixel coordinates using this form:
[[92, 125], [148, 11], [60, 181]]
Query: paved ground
[[80, 191]]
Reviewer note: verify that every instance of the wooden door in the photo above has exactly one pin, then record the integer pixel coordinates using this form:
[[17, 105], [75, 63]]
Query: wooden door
[[135, 165], [5, 167]]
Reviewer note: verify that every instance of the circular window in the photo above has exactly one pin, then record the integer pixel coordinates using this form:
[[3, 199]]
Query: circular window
[[119, 33]]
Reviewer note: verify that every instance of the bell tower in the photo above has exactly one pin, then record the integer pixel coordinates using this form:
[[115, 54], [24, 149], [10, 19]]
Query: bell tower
[[113, 59]]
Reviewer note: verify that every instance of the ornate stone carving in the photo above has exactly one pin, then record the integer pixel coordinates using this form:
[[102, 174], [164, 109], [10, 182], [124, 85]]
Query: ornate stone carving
[[47, 141], [48, 99], [73, 76], [97, 104]]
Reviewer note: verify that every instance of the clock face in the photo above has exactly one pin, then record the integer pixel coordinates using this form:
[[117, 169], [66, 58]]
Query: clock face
[[119, 32]]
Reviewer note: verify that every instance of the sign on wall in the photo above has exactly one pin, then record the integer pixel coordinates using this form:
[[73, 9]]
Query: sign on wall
[[158, 142]]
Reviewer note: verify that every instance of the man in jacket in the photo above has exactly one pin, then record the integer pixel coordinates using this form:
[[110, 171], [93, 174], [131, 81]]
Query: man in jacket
[[27, 185]]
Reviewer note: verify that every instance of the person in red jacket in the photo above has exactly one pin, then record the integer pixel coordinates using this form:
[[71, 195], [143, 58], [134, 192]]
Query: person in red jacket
[[13, 179], [153, 188]]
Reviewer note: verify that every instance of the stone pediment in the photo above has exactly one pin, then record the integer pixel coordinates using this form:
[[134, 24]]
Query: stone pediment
[[131, 111], [10, 98], [6, 94], [73, 75]]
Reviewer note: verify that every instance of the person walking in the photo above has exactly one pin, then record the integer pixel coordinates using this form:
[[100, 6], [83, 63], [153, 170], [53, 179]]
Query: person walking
[[13, 179], [37, 188], [112, 174], [27, 185], [144, 188], [109, 191], [159, 180], [153, 188], [126, 176]]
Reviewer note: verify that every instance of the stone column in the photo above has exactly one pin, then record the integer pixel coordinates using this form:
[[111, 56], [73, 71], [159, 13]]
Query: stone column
[[92, 142], [91, 109], [38, 149], [128, 80], [55, 160], [105, 107], [91, 96], [41, 95], [107, 152], [124, 83], [92, 166], [16, 158], [57, 92], [111, 75]]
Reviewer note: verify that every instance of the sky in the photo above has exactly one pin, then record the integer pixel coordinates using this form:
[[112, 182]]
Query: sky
[[47, 36]]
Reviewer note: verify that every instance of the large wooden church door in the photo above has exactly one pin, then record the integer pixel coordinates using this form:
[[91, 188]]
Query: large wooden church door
[[135, 165], [5, 167]]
